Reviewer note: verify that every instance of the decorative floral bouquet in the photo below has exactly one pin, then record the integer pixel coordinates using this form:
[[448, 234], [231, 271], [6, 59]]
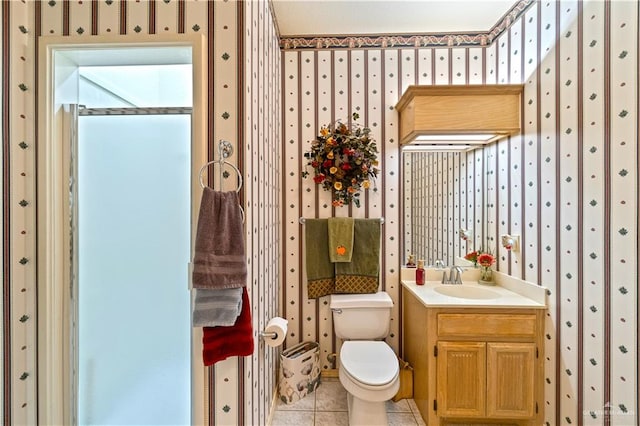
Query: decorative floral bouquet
[[483, 259], [344, 161]]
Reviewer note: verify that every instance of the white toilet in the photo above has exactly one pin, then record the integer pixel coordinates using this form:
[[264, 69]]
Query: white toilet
[[368, 366]]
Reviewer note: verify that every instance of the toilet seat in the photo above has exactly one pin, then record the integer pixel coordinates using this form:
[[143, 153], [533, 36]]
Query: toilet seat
[[372, 364]]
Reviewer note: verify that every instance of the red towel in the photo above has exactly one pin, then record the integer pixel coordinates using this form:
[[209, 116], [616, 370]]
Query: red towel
[[220, 343]]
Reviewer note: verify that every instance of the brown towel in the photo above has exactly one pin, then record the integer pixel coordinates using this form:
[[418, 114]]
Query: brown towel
[[219, 260]]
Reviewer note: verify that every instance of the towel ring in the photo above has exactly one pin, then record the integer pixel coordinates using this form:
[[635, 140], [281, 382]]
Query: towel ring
[[222, 163]]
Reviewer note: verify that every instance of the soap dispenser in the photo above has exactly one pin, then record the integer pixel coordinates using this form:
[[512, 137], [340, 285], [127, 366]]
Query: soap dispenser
[[420, 273]]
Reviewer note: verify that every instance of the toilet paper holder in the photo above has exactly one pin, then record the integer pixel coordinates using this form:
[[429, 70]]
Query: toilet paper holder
[[274, 332], [270, 334]]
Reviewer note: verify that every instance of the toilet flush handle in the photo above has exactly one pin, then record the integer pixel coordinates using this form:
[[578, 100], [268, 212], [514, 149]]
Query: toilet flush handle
[[336, 310]]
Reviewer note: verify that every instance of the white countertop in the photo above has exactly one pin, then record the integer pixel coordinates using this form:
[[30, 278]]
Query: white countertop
[[509, 293]]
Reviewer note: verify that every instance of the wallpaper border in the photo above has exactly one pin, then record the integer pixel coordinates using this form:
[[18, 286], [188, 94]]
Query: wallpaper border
[[408, 40]]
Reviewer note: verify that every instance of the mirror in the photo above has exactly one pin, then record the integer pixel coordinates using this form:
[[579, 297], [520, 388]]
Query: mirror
[[443, 193]]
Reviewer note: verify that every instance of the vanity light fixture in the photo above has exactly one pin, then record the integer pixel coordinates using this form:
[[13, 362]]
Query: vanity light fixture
[[460, 114], [438, 147], [455, 139]]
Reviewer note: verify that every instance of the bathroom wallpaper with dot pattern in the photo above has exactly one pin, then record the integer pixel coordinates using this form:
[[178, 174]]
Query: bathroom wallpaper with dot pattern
[[568, 185], [243, 59]]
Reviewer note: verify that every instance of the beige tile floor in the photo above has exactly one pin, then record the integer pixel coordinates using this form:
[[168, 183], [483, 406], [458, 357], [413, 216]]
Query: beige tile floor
[[328, 406]]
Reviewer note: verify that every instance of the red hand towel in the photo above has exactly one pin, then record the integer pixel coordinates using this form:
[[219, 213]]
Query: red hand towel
[[220, 343]]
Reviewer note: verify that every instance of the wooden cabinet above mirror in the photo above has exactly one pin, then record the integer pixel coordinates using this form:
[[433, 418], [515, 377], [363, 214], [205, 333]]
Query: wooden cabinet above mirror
[[441, 113]]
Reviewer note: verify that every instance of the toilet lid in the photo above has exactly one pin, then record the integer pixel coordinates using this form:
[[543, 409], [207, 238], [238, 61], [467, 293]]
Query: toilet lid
[[370, 362]]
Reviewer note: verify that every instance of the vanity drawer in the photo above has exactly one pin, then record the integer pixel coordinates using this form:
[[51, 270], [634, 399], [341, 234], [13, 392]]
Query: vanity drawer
[[475, 325]]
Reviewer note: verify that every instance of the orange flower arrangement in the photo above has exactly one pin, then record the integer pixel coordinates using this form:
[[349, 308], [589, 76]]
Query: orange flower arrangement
[[483, 259], [344, 161]]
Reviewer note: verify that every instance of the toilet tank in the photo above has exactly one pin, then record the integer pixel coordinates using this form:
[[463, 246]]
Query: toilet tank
[[361, 316]]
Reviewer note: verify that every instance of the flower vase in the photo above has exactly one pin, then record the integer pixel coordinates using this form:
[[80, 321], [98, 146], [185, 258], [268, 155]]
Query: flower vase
[[486, 276]]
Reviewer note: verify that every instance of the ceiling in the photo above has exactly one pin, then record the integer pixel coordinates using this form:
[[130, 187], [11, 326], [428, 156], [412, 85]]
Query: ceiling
[[347, 17]]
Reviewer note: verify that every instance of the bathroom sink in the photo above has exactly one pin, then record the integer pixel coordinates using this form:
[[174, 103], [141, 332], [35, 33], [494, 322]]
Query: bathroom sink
[[466, 291]]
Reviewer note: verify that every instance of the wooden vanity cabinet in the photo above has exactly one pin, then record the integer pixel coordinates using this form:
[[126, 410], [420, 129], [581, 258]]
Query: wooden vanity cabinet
[[461, 379], [475, 365], [485, 380]]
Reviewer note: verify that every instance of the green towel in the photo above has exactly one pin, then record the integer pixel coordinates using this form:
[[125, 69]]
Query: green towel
[[361, 274], [320, 270], [340, 239]]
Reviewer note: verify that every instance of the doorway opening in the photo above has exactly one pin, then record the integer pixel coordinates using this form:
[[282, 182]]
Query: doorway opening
[[125, 125]]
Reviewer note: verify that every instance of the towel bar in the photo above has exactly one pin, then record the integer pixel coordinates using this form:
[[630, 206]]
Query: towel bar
[[302, 220]]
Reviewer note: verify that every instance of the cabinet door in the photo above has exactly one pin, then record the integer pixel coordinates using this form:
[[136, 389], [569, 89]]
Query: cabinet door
[[461, 379], [510, 380]]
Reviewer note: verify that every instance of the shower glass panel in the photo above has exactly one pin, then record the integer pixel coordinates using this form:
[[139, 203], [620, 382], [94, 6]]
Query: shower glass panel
[[133, 221]]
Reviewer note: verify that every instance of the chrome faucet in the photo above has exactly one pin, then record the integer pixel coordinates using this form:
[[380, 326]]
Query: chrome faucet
[[455, 275]]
